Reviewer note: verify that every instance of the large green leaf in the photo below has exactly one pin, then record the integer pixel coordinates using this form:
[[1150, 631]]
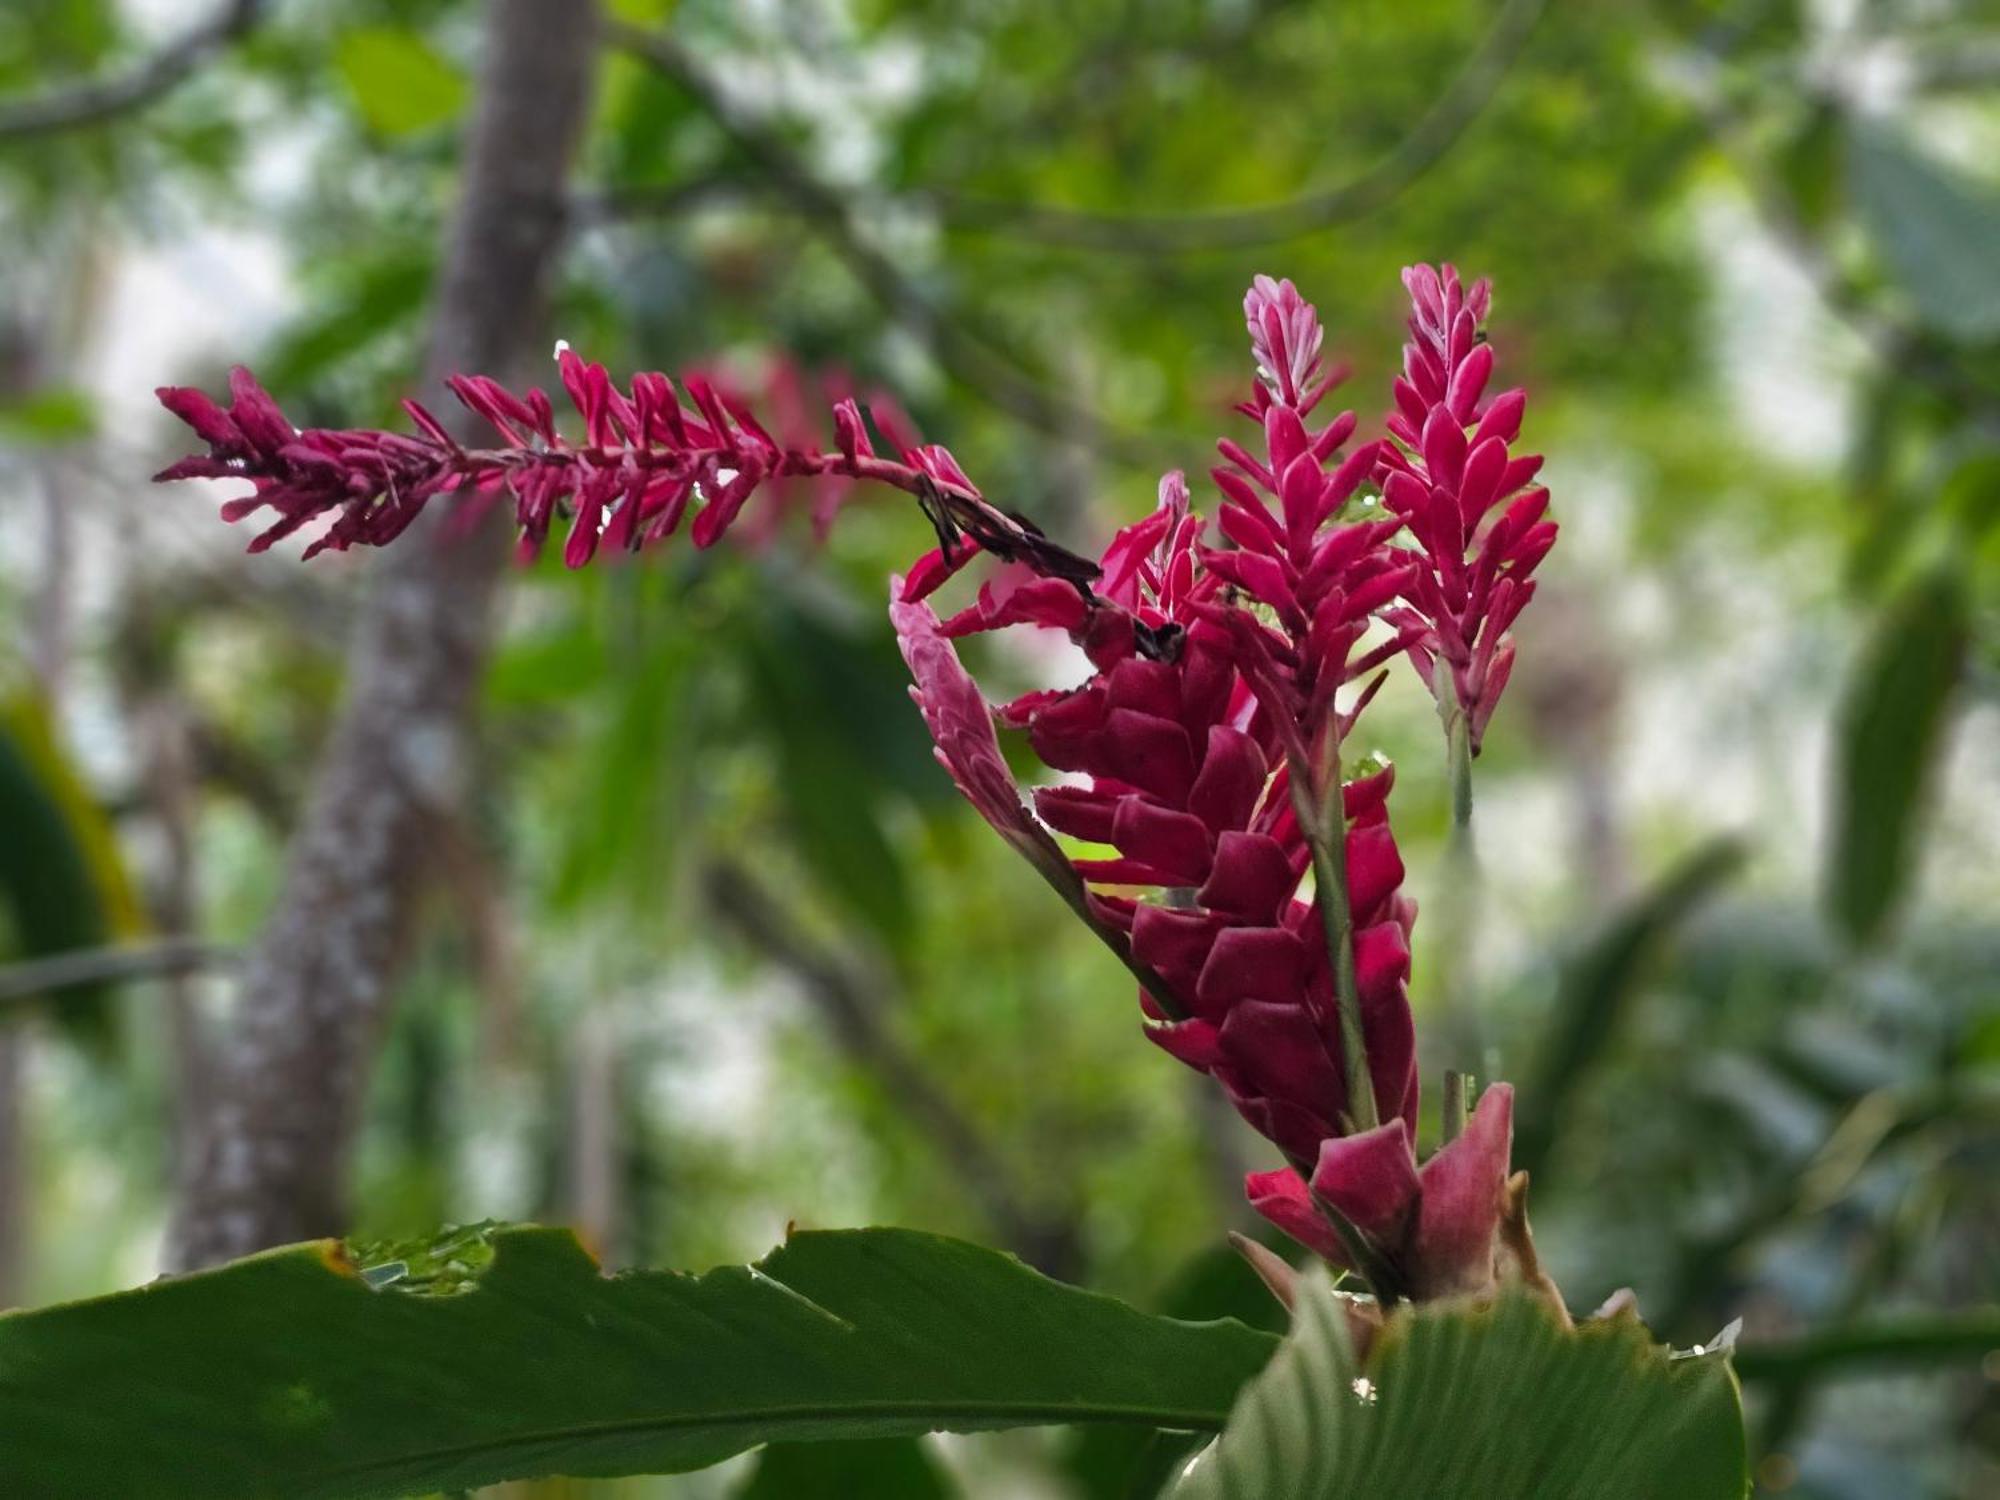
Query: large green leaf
[[878, 1468], [1889, 739], [1498, 1401], [1935, 228], [290, 1374], [1132, 1463]]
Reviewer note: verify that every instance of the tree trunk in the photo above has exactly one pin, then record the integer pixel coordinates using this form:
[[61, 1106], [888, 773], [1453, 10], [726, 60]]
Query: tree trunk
[[273, 1159]]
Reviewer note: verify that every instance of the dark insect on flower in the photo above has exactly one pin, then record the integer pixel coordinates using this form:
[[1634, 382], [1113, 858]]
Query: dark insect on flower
[[1007, 535]]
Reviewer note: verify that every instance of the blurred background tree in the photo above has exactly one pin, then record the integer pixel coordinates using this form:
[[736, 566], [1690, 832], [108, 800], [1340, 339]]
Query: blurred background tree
[[700, 943]]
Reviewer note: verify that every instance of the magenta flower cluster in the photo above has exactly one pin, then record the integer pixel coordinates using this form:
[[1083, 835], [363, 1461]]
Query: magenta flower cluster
[[1207, 746], [1205, 765]]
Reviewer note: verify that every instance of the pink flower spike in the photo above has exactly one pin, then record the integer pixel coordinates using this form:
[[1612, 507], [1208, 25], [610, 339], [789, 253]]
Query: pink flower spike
[[1444, 483], [1284, 336]]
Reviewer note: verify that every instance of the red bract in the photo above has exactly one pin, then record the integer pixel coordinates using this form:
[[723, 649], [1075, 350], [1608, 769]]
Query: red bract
[[1465, 498], [1206, 751], [650, 457]]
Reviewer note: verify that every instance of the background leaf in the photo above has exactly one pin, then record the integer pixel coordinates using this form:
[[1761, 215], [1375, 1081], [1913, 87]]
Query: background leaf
[[1889, 738], [398, 81], [290, 1374], [1936, 230], [59, 414], [843, 738], [62, 882], [1596, 991], [1498, 1401]]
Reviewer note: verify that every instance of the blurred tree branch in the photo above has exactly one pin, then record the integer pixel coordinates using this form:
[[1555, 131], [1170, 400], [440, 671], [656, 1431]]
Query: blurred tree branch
[[288, 1086], [853, 1014], [151, 78], [1916, 1342], [1462, 101], [962, 353], [611, 205], [169, 958], [1426, 144]]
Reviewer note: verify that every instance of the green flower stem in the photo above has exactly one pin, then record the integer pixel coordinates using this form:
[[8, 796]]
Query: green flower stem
[[1459, 887], [1455, 1084], [1320, 804]]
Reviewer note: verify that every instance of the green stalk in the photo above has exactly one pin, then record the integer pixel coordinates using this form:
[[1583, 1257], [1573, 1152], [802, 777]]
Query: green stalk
[[1458, 894], [1455, 1084], [1458, 764], [1319, 803]]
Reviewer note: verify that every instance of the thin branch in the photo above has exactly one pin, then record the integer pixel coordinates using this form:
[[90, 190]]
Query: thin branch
[[854, 1016], [960, 352], [150, 79], [1161, 234], [612, 205], [1863, 1348], [40, 977], [1164, 234]]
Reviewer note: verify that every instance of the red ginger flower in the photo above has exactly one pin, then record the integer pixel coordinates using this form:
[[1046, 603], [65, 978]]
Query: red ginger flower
[[1209, 740], [1448, 474], [1209, 733], [650, 456]]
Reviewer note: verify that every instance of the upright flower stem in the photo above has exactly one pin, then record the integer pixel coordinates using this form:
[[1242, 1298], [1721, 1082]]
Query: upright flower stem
[[1326, 836], [1454, 1106], [1458, 895], [1458, 762]]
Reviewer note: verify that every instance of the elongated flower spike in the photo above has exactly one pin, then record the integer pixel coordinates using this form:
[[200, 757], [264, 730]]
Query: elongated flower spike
[[1468, 500], [1206, 775], [651, 458]]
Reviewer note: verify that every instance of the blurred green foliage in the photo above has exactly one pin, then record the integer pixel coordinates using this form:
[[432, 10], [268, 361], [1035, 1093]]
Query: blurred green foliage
[[1744, 265]]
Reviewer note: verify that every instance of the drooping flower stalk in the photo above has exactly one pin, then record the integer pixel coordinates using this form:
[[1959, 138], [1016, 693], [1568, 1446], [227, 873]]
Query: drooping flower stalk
[[650, 457]]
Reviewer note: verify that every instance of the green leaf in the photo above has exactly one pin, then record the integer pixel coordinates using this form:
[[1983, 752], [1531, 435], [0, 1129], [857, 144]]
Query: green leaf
[[1131, 1463], [1597, 988], [290, 1374], [1935, 228], [1498, 1401], [59, 414], [1809, 164], [1889, 738], [63, 884], [399, 82], [880, 1469], [838, 729], [367, 302]]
